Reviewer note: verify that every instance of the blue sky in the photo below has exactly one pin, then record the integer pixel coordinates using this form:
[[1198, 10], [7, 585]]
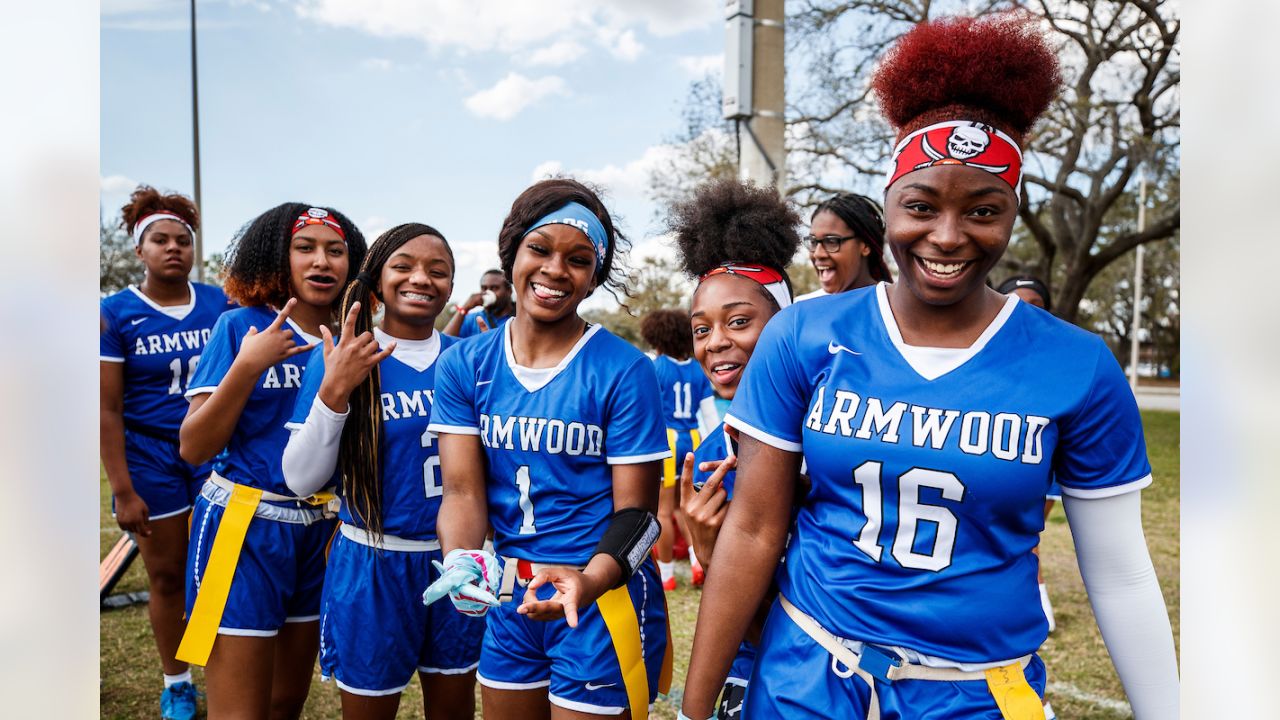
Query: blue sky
[[436, 111]]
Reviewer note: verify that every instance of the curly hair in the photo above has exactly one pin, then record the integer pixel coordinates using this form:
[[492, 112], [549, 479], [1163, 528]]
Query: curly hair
[[730, 221], [865, 218], [667, 332], [544, 196], [146, 200], [358, 448], [257, 261], [996, 69]]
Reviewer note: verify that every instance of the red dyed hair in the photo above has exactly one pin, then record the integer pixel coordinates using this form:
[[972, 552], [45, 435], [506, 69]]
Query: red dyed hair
[[997, 69]]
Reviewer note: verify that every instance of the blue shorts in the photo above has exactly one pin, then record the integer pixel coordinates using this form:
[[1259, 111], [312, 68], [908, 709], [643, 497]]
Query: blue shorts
[[680, 442], [793, 678], [374, 630], [740, 670], [578, 666], [278, 577], [164, 481]]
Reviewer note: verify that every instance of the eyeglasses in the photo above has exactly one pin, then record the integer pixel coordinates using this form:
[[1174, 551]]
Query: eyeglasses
[[830, 243]]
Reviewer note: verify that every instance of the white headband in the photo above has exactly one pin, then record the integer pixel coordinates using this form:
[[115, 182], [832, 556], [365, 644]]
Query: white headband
[[146, 222]]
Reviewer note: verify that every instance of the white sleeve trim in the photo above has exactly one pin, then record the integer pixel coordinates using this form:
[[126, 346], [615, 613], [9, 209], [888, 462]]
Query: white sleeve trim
[[1106, 492], [109, 358], [311, 454], [207, 390], [1125, 594], [763, 436], [708, 416], [438, 428], [636, 459]]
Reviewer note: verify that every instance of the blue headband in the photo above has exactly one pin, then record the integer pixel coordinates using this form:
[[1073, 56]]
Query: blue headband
[[577, 215]]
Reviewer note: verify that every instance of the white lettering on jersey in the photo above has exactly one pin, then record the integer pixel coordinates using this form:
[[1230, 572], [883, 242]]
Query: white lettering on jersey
[[171, 342], [1005, 435], [549, 435], [292, 377], [414, 404]]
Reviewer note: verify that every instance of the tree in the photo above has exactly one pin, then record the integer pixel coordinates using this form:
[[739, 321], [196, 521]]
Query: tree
[[118, 265], [656, 284], [1108, 306], [1119, 111]]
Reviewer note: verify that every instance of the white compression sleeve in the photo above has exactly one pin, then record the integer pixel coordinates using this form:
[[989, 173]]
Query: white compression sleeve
[[312, 453], [1126, 599]]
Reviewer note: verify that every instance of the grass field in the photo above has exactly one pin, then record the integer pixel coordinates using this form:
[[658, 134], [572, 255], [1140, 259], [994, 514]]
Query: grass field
[[1082, 681]]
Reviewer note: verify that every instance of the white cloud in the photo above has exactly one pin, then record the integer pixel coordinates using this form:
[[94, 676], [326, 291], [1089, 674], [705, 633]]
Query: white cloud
[[513, 94], [377, 63], [116, 185], [624, 46], [511, 25], [545, 170], [562, 52], [699, 66]]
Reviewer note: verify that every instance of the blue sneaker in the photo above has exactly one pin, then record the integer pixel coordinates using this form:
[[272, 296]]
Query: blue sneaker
[[178, 702]]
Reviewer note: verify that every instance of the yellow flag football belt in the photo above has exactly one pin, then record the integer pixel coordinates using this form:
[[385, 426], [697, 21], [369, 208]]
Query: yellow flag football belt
[[242, 505], [1008, 683]]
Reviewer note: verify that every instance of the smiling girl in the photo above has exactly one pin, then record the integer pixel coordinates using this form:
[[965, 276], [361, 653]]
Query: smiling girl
[[846, 244], [551, 430], [737, 241], [363, 409], [256, 561], [152, 337], [932, 415]]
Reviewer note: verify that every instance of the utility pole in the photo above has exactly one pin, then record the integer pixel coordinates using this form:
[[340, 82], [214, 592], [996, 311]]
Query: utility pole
[[195, 149], [754, 87], [1137, 286]]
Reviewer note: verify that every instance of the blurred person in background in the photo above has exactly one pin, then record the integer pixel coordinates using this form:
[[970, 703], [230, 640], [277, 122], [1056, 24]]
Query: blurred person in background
[[846, 244], [685, 392], [486, 310], [151, 340]]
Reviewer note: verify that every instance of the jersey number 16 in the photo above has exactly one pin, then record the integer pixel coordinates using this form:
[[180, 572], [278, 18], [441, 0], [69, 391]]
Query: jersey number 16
[[911, 512]]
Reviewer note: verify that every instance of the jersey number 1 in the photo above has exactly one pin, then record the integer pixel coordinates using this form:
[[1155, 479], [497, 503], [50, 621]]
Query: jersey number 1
[[910, 514]]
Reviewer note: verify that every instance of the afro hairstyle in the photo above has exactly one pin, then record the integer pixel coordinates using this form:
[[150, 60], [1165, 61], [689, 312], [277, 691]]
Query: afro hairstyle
[[667, 332]]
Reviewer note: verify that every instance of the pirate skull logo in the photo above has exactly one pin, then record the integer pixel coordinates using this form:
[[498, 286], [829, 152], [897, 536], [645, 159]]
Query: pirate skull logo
[[967, 142]]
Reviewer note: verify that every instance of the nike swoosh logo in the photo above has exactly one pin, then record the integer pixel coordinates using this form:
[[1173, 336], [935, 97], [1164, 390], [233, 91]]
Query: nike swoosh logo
[[833, 347], [482, 382], [136, 321], [593, 686]]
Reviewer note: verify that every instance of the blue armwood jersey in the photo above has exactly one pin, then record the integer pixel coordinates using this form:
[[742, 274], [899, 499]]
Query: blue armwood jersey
[[683, 387], [471, 323], [928, 490], [252, 456], [550, 436], [715, 446], [409, 457], [160, 348]]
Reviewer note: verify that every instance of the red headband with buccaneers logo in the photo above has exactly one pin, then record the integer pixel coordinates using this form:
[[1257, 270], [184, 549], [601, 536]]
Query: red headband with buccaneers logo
[[772, 280], [318, 216], [959, 142]]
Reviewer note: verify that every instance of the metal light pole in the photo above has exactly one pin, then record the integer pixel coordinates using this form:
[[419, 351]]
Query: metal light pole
[[1137, 286], [754, 96], [195, 148]]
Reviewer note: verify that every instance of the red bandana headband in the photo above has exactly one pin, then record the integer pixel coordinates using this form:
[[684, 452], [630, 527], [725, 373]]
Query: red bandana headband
[[959, 142], [769, 278], [318, 216]]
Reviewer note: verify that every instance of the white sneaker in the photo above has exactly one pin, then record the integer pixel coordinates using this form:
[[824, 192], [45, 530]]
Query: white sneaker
[[1046, 606]]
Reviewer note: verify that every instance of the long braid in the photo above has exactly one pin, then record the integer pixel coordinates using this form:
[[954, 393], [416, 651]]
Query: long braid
[[864, 216], [359, 456]]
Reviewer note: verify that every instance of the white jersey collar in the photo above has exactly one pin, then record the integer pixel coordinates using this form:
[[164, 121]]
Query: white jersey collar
[[534, 379], [932, 363]]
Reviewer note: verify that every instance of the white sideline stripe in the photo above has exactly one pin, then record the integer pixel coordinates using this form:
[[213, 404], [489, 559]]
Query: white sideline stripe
[[1071, 691]]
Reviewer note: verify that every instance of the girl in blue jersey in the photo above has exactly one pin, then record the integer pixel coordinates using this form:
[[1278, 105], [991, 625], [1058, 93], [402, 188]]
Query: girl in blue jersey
[[932, 414], [363, 408], [152, 337], [846, 244], [1033, 291], [736, 240], [685, 394], [551, 431], [256, 559]]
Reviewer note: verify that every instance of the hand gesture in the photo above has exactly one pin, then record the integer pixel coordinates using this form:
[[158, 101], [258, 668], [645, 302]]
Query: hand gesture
[[471, 579], [475, 301], [132, 514], [349, 361], [573, 590], [704, 509], [262, 349]]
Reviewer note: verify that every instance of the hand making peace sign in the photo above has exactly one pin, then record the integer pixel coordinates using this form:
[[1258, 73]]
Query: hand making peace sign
[[263, 348]]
